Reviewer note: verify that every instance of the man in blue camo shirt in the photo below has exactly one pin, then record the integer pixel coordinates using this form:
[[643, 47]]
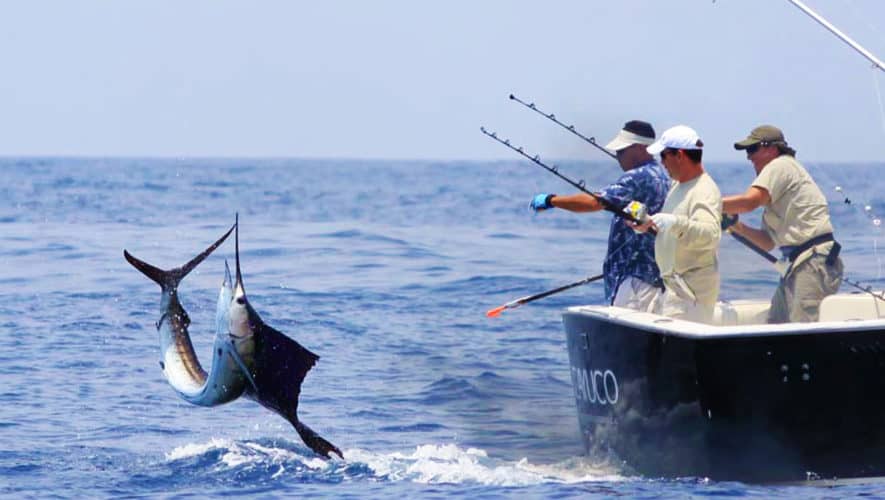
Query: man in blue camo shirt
[[632, 278]]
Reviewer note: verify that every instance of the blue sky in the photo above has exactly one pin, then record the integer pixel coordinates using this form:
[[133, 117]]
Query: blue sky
[[398, 79]]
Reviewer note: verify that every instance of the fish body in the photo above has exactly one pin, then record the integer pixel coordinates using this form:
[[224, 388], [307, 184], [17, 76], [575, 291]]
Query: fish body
[[249, 357], [226, 379]]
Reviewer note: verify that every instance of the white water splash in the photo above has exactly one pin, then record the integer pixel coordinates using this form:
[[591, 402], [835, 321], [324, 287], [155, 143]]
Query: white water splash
[[427, 464], [452, 464], [236, 453]]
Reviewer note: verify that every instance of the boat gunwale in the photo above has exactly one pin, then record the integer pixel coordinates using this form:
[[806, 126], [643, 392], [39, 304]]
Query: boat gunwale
[[655, 323]]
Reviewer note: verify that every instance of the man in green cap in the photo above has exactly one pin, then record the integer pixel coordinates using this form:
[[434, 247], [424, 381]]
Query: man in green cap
[[796, 219]]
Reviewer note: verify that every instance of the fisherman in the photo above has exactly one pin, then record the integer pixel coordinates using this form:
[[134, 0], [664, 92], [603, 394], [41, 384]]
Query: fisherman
[[688, 229], [632, 278], [796, 219]]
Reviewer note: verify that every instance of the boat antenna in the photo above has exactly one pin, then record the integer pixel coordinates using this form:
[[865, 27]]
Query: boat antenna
[[570, 128], [877, 63], [606, 205]]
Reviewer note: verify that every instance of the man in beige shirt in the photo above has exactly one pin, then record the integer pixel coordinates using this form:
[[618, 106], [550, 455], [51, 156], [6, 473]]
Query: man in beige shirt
[[796, 219], [688, 228]]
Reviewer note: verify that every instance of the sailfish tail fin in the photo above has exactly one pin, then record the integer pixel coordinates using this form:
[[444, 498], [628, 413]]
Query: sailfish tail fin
[[314, 441], [171, 278], [158, 275]]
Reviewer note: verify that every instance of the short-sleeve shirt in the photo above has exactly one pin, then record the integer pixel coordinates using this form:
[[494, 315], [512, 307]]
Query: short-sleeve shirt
[[798, 209], [632, 254]]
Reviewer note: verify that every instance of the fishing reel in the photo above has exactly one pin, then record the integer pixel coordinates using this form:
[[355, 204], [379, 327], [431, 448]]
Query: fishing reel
[[637, 211]]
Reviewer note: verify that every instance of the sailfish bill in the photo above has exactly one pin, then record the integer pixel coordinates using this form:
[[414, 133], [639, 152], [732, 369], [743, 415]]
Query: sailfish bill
[[280, 364]]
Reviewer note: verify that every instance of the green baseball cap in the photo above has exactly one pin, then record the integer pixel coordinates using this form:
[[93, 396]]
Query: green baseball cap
[[768, 134]]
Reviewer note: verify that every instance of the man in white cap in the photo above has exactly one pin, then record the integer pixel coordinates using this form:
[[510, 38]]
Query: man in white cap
[[632, 278], [796, 219], [688, 229]]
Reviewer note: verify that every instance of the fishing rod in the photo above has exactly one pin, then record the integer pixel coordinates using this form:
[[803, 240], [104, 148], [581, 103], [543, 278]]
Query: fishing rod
[[868, 289], [877, 63], [772, 259], [492, 313], [570, 128], [609, 207], [746, 242], [580, 185]]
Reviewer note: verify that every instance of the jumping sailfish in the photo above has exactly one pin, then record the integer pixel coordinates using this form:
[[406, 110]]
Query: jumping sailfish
[[249, 357]]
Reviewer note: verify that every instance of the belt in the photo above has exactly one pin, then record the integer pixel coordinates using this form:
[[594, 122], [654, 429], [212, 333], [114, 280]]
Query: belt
[[794, 251]]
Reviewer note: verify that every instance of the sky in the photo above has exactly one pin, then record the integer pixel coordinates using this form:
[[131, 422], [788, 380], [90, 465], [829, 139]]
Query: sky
[[397, 79]]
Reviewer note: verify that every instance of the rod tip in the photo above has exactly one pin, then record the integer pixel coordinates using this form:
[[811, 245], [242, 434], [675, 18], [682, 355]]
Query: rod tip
[[494, 313]]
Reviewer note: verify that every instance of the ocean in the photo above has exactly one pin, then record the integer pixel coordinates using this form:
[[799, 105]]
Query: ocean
[[383, 268]]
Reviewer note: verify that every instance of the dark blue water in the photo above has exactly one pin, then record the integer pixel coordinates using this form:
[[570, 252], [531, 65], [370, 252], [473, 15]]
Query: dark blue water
[[383, 268]]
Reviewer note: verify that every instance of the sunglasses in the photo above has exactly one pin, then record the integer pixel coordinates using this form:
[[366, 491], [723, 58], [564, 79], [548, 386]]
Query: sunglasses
[[751, 150], [667, 151]]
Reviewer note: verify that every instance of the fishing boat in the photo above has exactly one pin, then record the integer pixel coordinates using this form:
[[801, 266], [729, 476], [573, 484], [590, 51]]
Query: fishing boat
[[735, 399]]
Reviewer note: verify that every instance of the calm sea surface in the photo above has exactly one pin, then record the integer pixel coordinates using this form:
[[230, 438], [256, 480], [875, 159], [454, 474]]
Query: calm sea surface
[[383, 268]]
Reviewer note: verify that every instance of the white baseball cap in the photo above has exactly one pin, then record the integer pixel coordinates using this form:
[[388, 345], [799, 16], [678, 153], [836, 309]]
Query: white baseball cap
[[678, 137]]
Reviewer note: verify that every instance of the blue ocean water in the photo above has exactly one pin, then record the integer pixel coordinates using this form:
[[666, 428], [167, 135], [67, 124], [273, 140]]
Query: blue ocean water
[[383, 268]]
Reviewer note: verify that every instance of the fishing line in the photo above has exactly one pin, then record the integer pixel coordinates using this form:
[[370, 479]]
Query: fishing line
[[864, 215], [865, 19], [878, 90], [867, 208], [877, 223]]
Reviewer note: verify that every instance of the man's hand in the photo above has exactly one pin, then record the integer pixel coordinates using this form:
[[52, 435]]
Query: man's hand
[[728, 221], [541, 202], [663, 221], [648, 225]]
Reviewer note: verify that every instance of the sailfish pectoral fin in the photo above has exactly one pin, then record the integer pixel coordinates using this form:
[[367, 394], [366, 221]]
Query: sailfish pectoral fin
[[314, 441], [242, 364]]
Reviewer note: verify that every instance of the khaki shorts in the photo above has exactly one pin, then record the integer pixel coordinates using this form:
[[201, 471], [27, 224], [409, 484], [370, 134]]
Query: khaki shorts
[[636, 294], [671, 305], [798, 297]]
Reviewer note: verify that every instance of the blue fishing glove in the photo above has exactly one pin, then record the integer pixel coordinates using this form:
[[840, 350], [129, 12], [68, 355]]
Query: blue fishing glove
[[541, 202]]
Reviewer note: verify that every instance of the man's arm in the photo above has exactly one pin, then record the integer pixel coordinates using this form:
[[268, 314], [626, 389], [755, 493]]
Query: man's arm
[[754, 198], [580, 202], [702, 227]]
